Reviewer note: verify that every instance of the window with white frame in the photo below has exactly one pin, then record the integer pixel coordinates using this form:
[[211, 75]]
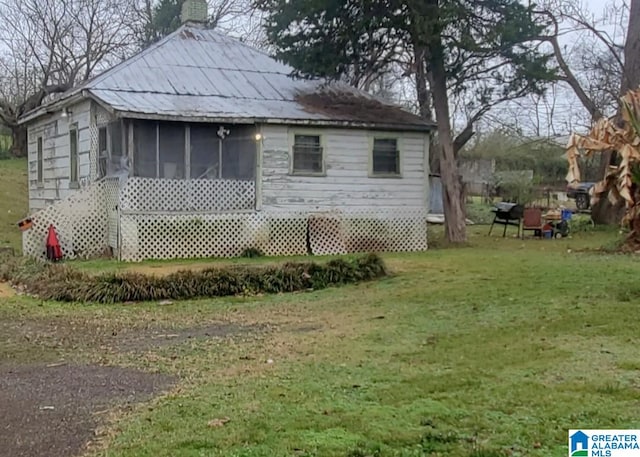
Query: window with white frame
[[307, 154], [385, 157], [73, 154], [40, 161]]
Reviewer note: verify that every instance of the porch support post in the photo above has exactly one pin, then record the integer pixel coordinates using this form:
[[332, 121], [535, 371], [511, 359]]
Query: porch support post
[[187, 151], [129, 125], [157, 150], [258, 168]]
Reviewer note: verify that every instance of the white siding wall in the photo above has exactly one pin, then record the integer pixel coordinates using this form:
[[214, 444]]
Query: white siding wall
[[54, 130], [347, 183]]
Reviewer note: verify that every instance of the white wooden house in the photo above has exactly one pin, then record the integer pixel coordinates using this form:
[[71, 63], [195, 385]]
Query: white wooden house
[[202, 146]]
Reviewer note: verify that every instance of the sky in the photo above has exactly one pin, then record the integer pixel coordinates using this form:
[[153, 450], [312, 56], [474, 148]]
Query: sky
[[559, 112]]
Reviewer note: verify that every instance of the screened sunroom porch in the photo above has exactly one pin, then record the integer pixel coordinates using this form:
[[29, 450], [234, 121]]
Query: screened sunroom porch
[[180, 167]]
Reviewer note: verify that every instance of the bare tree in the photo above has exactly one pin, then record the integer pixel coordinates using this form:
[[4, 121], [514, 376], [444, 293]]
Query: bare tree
[[49, 45], [608, 63], [238, 18]]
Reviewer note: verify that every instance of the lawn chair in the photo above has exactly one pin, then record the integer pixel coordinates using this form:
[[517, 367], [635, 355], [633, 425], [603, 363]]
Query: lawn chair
[[532, 220]]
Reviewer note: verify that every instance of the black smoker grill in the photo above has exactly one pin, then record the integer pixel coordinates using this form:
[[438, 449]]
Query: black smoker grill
[[507, 214]]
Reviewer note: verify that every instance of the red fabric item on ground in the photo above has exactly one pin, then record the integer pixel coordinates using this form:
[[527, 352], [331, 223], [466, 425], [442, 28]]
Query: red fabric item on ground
[[54, 253]]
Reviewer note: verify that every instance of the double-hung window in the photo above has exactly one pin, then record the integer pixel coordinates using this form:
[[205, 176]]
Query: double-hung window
[[40, 161], [386, 157], [73, 155], [307, 154]]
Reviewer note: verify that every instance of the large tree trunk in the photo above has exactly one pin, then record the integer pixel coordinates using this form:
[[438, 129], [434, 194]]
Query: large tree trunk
[[604, 213], [19, 140], [631, 73], [454, 214], [425, 103], [422, 89]]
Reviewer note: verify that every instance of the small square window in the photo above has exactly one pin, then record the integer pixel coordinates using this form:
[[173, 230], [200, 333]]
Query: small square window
[[307, 154], [386, 157]]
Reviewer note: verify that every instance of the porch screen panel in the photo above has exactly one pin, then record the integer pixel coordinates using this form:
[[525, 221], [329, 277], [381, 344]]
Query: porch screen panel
[[205, 152], [103, 152], [239, 154], [145, 144], [172, 150], [118, 152]]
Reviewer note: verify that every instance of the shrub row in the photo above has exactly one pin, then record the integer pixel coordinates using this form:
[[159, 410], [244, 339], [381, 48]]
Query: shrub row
[[62, 283]]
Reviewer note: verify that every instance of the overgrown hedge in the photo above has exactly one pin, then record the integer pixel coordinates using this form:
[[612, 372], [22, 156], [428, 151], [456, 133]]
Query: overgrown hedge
[[63, 283]]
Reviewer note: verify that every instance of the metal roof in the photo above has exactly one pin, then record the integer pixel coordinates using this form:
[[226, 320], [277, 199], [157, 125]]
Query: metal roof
[[196, 73]]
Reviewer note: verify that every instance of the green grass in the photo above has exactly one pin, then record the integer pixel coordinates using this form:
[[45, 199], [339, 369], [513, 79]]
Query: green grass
[[14, 198], [489, 350], [479, 212], [5, 143]]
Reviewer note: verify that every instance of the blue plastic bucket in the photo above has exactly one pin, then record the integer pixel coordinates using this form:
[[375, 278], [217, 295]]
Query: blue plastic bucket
[[548, 234]]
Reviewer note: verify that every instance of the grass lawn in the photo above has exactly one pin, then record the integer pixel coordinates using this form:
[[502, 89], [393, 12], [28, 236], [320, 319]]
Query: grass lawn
[[496, 349], [14, 197]]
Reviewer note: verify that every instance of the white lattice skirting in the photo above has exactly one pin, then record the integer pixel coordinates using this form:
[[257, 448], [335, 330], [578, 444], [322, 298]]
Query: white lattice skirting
[[80, 222], [181, 195], [95, 218]]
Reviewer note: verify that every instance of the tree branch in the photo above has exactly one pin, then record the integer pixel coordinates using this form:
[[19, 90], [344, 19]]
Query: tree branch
[[570, 78]]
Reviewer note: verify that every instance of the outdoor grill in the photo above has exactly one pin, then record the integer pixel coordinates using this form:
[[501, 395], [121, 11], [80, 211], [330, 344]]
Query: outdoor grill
[[506, 214]]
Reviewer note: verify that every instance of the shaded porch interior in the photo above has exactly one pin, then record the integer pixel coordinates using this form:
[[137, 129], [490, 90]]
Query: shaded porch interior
[[205, 165]]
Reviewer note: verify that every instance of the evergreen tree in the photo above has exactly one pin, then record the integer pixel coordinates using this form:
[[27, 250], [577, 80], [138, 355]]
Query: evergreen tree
[[165, 19], [482, 50]]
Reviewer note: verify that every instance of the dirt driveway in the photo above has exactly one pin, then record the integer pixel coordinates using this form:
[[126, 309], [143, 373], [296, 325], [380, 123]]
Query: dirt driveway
[[51, 409]]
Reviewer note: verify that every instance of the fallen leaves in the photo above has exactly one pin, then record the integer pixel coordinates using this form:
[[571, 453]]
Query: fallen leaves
[[218, 422]]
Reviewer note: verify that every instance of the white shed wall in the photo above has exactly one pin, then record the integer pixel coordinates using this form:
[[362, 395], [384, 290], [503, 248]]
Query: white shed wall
[[54, 130], [347, 184]]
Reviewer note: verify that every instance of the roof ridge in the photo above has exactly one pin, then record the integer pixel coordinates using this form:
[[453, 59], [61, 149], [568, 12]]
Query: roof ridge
[[230, 69], [129, 91]]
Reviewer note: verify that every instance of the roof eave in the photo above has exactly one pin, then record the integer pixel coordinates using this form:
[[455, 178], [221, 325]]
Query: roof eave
[[51, 108], [56, 106], [426, 127]]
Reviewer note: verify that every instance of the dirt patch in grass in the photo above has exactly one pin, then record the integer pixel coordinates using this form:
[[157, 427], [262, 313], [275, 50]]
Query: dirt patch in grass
[[162, 337], [6, 291], [64, 335], [52, 410], [169, 268]]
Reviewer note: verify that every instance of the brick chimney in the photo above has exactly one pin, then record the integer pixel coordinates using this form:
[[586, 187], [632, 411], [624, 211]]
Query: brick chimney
[[194, 12]]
